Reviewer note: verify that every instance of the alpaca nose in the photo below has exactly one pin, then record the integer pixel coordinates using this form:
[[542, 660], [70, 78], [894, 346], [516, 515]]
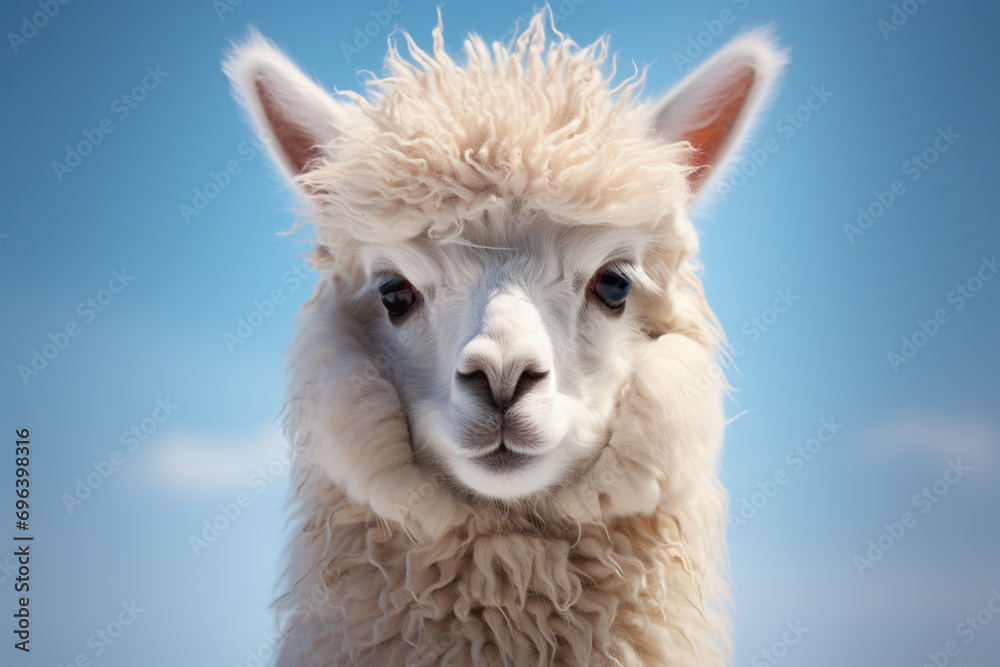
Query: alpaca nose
[[511, 355], [502, 389]]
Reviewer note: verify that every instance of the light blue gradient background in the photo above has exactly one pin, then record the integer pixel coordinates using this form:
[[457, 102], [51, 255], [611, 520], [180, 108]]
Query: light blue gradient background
[[825, 357]]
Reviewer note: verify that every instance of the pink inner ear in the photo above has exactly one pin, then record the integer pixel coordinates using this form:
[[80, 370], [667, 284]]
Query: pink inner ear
[[298, 145], [711, 139]]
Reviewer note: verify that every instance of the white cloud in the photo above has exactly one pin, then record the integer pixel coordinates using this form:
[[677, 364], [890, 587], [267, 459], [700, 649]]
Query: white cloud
[[199, 463], [940, 436]]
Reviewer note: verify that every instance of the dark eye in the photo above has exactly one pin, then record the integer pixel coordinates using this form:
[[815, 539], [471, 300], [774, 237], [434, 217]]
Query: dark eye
[[398, 296], [611, 287]]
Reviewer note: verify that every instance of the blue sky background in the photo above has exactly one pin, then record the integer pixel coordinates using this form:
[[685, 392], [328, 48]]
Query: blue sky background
[[782, 228]]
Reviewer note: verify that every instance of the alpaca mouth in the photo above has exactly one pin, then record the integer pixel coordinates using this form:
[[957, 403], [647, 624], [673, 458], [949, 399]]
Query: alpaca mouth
[[504, 459]]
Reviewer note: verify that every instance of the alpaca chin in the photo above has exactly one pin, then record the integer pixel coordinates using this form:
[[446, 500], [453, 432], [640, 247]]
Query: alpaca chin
[[509, 477]]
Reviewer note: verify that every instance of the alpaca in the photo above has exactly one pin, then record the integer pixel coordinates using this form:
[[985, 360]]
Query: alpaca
[[505, 402]]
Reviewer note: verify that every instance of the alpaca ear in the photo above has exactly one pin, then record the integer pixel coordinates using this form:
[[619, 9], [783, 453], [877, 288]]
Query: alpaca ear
[[293, 116], [713, 108]]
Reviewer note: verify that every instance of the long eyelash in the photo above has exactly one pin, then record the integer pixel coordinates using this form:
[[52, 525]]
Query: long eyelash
[[390, 283], [634, 273], [375, 284]]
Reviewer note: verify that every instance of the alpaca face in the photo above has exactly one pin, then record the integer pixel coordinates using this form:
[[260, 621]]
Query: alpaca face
[[507, 262], [512, 345]]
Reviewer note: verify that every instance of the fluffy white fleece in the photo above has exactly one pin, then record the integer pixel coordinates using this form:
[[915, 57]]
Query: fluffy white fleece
[[621, 560]]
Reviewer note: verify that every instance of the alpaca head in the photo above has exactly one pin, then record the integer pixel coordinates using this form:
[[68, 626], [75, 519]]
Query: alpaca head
[[504, 239]]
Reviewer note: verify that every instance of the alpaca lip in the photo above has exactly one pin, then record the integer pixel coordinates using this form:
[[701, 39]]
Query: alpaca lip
[[504, 459]]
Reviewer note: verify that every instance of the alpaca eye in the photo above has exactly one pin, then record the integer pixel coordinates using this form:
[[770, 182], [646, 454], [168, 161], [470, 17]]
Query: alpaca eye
[[611, 287], [398, 296]]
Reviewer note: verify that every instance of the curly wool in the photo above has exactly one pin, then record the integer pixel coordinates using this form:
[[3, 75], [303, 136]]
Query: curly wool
[[533, 121], [501, 590]]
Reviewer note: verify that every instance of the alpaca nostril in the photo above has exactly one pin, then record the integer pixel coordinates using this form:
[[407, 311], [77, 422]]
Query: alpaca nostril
[[476, 382], [529, 379], [471, 376]]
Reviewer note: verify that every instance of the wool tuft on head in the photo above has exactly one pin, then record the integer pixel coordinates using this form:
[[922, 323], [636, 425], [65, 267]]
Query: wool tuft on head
[[505, 403]]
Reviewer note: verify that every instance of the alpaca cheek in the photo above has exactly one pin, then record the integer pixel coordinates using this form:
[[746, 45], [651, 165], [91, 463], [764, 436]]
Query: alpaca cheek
[[667, 435], [691, 428]]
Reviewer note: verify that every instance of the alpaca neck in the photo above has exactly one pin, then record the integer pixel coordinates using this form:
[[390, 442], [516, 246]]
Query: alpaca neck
[[508, 586]]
